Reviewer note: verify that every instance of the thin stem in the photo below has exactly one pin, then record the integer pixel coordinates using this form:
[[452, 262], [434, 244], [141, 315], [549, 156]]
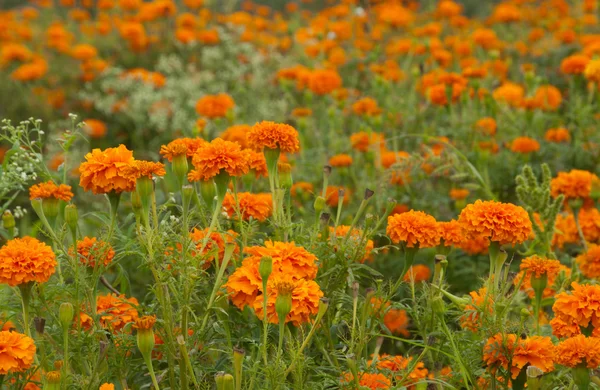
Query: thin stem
[[151, 371]]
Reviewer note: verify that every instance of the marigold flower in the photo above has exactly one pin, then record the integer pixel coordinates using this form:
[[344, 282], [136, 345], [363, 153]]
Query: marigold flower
[[557, 135], [486, 125], [92, 252], [147, 169], [303, 187], [216, 157], [451, 233], [273, 135], [366, 107], [481, 302], [538, 267], [504, 223], [116, 311], [301, 112], [95, 128], [107, 386], [592, 71], [578, 350], [257, 206], [400, 363], [362, 141], [238, 134], [396, 320], [509, 93], [579, 308], [50, 190], [323, 82], [417, 273], [565, 231], [214, 106], [340, 160], [524, 145], [245, 284], [414, 228], [589, 262], [589, 221], [574, 64], [215, 246], [181, 146], [547, 97], [24, 260], [106, 171], [573, 184], [370, 381], [16, 352], [459, 193], [257, 162], [305, 299], [145, 323], [356, 238], [389, 158]]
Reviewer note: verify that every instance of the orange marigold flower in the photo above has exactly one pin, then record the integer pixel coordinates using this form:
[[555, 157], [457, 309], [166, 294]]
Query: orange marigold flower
[[504, 223], [459, 193], [216, 157], [323, 82], [589, 262], [535, 351], [147, 169], [16, 352], [396, 320], [509, 93], [257, 206], [332, 196], [417, 273], [538, 267], [305, 299], [365, 246], [106, 170], [547, 97], [370, 381], [451, 233], [92, 252], [273, 135], [301, 187], [486, 125], [245, 284], [50, 190], [589, 221], [414, 228], [215, 245], [145, 322], [214, 106], [578, 350], [238, 134], [363, 141], [181, 146], [574, 64], [95, 128], [573, 184], [340, 160], [557, 135], [565, 231], [481, 302], [524, 145], [301, 112], [390, 158], [116, 311], [399, 364], [592, 71], [257, 162], [24, 260], [580, 307], [366, 107]]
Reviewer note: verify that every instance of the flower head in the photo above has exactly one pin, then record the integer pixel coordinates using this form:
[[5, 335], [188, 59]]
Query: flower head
[[16, 352], [181, 146], [50, 190], [215, 246], [535, 266], [238, 134], [573, 184], [24, 260], [396, 320], [92, 252], [580, 307], [481, 302], [578, 350], [214, 106], [524, 145], [340, 160], [417, 273], [145, 323], [451, 233], [273, 135], [512, 354], [107, 170], [256, 206], [504, 223], [415, 228], [147, 169], [116, 311], [216, 157]]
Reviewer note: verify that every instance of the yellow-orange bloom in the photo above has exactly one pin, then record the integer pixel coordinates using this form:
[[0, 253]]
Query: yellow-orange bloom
[[573, 184], [557, 135], [368, 380], [535, 266], [95, 128], [504, 223], [451, 233], [592, 71], [578, 350], [16, 352], [215, 246], [92, 251], [574, 64], [305, 299], [273, 135], [396, 320], [238, 134], [147, 169], [417, 273], [181, 146], [145, 322], [589, 262], [214, 106], [116, 311], [107, 170], [399, 363], [50, 190], [524, 145], [481, 303], [107, 386], [366, 107], [24, 260], [245, 284], [364, 245], [340, 160], [579, 308], [217, 157], [324, 82], [257, 206], [414, 228]]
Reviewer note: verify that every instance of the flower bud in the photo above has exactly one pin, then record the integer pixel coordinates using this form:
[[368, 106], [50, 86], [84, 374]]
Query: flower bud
[[8, 220], [40, 325], [285, 175], [51, 207], [323, 306], [66, 312], [71, 217], [180, 168], [319, 204], [145, 335], [265, 268], [52, 381], [438, 306], [534, 378], [208, 192], [238, 360], [224, 381], [187, 192], [144, 186]]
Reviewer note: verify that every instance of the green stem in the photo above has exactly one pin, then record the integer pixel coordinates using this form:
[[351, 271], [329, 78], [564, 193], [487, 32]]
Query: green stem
[[148, 361]]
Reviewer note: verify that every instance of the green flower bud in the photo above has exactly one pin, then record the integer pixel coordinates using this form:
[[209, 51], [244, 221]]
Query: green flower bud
[[66, 312]]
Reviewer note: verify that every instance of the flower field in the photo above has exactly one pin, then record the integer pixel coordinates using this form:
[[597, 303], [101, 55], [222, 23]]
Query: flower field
[[348, 194]]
